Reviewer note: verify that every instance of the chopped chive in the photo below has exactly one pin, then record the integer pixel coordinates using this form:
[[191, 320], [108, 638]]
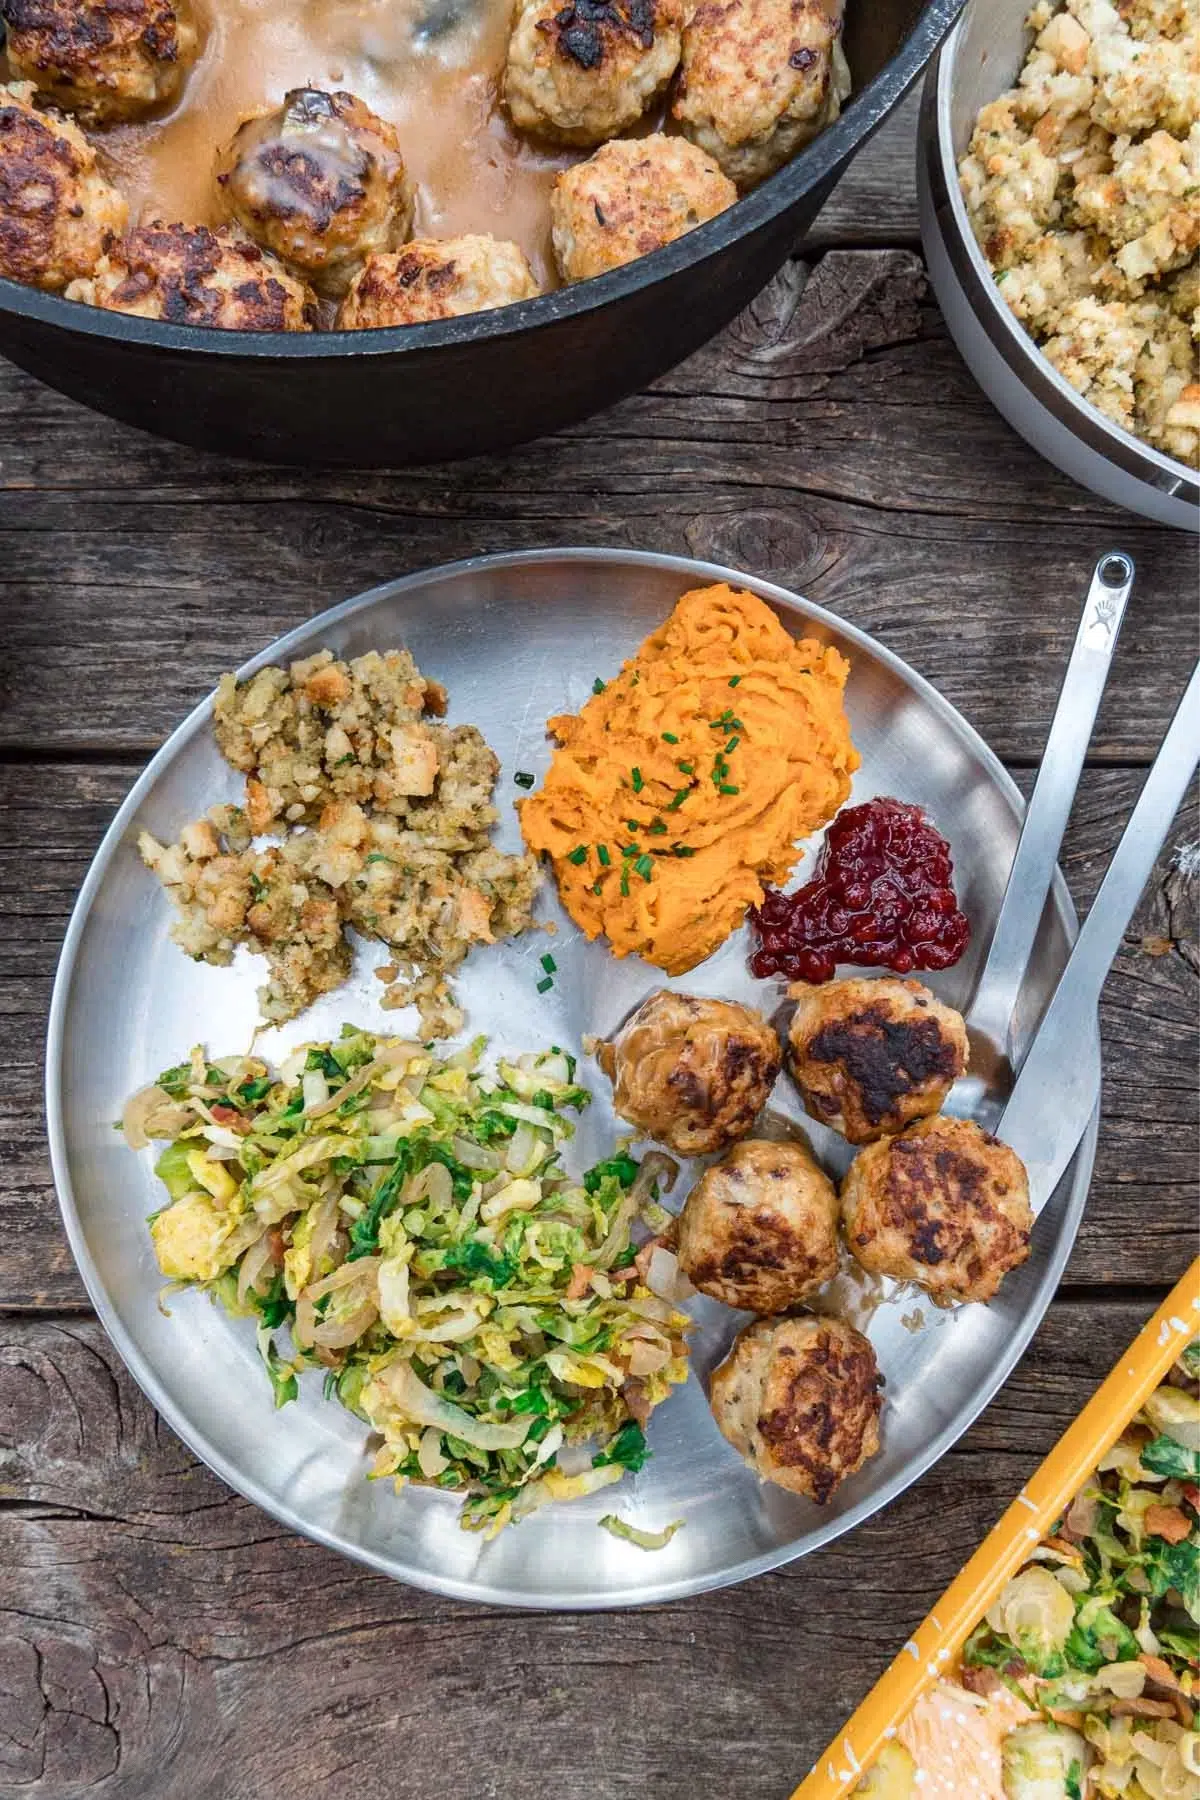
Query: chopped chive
[[625, 879], [549, 964], [687, 767], [682, 850], [732, 745], [378, 856], [632, 825], [643, 867], [595, 887], [669, 737], [577, 855], [603, 855], [598, 686], [733, 680], [681, 795], [544, 985], [524, 779], [726, 789], [657, 829], [628, 849], [635, 776]]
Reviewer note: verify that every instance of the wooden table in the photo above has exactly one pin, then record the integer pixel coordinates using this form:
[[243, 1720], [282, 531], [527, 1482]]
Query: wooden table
[[161, 1636]]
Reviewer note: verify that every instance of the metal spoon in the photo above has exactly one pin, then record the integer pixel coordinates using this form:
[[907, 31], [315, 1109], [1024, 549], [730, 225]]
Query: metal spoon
[[990, 1014], [1051, 1103]]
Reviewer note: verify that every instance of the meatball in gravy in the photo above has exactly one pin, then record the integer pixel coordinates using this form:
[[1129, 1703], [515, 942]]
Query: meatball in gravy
[[760, 1228], [799, 1400], [321, 183], [56, 208], [692, 1073], [870, 1056], [107, 60], [190, 275], [436, 278], [583, 72], [944, 1205], [758, 79], [633, 196]]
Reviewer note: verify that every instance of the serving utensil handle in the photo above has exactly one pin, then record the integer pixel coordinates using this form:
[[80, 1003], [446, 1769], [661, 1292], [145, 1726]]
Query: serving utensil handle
[[1048, 1110], [991, 1009]]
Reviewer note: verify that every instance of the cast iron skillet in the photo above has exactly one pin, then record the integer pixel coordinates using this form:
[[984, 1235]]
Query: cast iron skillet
[[431, 392]]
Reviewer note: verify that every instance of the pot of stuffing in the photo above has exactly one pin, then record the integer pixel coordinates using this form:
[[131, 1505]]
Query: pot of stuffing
[[1058, 171]]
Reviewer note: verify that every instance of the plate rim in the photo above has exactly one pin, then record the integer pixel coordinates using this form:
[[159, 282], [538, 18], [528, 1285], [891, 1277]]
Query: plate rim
[[651, 1593]]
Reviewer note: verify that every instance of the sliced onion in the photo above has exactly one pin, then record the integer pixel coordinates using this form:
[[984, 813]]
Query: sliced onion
[[429, 1454], [646, 1358], [328, 1241], [420, 1404], [658, 1310], [339, 1334], [434, 1183], [459, 1321], [665, 1278], [388, 1058], [153, 1106], [259, 1257], [308, 1328]]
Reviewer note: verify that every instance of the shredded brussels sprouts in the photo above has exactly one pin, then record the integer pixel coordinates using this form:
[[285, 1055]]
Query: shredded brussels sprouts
[[408, 1219]]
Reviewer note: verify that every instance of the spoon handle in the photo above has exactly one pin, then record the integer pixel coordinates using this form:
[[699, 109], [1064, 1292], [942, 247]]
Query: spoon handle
[[1051, 1102], [991, 1009]]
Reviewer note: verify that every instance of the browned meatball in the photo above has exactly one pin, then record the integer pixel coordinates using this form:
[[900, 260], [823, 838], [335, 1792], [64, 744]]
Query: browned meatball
[[56, 208], [321, 183], [695, 1074], [760, 1228], [758, 79], [870, 1056], [583, 72], [944, 1205], [437, 278], [633, 196], [107, 60], [799, 1399], [192, 276]]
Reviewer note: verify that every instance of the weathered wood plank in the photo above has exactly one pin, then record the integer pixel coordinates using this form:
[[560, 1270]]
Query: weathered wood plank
[[1140, 1222], [831, 440], [161, 1635]]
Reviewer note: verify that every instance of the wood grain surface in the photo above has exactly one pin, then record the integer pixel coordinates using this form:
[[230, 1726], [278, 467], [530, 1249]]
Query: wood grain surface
[[160, 1637]]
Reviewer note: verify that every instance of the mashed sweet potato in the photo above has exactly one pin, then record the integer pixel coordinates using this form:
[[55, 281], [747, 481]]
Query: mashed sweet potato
[[684, 784]]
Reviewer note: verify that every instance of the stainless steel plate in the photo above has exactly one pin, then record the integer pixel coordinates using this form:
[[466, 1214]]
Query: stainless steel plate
[[516, 638]]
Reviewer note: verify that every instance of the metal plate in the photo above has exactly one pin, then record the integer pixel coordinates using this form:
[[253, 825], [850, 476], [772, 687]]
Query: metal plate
[[516, 638]]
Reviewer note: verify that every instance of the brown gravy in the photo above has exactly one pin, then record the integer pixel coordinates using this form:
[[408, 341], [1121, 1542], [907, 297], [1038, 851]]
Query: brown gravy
[[430, 66]]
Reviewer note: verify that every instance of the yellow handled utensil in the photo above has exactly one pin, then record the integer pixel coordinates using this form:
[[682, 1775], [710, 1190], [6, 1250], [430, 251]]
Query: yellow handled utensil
[[932, 1650]]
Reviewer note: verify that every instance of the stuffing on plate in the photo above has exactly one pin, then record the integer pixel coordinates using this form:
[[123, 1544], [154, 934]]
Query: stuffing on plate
[[377, 819], [1081, 185]]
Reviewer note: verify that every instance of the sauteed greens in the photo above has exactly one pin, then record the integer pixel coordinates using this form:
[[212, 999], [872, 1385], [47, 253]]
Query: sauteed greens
[[408, 1220]]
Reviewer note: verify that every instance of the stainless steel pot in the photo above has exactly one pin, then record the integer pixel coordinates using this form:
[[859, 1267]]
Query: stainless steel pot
[[979, 60]]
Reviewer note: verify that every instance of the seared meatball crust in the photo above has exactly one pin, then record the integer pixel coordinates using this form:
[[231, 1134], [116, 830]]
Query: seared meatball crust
[[799, 1400], [693, 1074], [758, 79], [106, 60], [944, 1205], [320, 182], [760, 1228], [870, 1056], [584, 71], [437, 278], [190, 275], [56, 208], [633, 196]]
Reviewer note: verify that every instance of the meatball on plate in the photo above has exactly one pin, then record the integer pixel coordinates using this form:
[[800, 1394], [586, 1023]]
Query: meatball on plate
[[799, 1399], [194, 276], [760, 1229], [692, 1073], [107, 60], [944, 1205], [633, 196], [321, 183], [868, 1057], [56, 208], [583, 72], [437, 278], [760, 78]]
